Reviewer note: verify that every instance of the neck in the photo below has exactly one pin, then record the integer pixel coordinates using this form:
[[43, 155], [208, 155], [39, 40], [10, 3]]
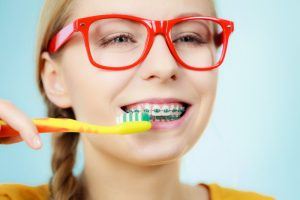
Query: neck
[[107, 177]]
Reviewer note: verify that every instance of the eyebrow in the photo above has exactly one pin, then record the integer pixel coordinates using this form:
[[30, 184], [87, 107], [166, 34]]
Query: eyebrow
[[189, 14]]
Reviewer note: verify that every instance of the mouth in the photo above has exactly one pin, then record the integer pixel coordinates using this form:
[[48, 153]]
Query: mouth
[[164, 113]]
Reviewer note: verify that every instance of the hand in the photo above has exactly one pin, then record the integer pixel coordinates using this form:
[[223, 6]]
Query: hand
[[19, 121]]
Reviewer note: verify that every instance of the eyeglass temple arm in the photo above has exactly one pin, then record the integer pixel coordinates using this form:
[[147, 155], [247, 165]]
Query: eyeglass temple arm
[[61, 37], [218, 38]]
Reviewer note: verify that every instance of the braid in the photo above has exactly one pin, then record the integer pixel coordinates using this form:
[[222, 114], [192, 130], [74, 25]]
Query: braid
[[63, 185]]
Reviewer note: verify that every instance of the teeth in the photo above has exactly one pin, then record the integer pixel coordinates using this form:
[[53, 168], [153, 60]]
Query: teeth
[[147, 108], [168, 118], [173, 110], [156, 110], [164, 111]]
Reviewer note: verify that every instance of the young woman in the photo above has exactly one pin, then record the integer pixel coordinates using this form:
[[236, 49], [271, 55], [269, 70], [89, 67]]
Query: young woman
[[97, 59]]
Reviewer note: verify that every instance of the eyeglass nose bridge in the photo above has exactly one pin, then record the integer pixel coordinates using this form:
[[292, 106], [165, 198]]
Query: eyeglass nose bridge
[[159, 27]]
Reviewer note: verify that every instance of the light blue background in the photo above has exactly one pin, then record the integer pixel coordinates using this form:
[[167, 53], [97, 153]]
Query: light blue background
[[252, 140]]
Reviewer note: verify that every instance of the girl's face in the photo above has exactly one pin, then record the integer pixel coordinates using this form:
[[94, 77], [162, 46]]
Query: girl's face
[[96, 95]]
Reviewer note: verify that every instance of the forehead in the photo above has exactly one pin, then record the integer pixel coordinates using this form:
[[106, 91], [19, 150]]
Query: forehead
[[150, 9]]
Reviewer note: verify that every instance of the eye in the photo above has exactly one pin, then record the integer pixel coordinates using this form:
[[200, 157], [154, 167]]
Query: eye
[[192, 39], [119, 39]]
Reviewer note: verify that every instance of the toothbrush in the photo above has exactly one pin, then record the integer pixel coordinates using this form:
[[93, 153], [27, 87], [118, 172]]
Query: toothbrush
[[127, 123]]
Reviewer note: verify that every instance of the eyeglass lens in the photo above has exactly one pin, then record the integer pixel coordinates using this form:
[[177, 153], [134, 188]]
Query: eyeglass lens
[[120, 42]]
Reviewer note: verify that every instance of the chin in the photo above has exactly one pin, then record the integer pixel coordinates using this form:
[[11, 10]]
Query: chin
[[156, 152]]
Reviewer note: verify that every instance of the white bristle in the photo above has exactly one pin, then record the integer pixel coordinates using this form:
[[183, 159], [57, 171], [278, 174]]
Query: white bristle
[[119, 119]]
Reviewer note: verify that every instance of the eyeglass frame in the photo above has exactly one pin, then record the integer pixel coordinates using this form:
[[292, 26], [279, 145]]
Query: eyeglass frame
[[154, 27]]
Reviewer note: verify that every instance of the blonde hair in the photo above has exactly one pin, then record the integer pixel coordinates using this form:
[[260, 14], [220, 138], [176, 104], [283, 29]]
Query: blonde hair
[[63, 185]]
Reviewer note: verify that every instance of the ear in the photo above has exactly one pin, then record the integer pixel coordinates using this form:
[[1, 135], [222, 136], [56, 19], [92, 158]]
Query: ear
[[53, 82]]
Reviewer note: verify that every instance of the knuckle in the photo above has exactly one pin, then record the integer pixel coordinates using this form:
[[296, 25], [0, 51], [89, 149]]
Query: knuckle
[[25, 136]]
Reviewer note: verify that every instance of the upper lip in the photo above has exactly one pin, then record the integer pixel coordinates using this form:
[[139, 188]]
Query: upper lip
[[159, 100]]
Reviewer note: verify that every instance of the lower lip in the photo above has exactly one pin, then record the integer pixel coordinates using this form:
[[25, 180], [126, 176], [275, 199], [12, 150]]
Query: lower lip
[[158, 125]]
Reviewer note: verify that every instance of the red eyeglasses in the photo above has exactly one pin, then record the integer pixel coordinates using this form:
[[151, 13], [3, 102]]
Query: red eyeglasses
[[120, 42]]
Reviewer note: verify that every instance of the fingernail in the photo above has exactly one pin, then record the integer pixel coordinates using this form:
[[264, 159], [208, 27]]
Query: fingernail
[[37, 141]]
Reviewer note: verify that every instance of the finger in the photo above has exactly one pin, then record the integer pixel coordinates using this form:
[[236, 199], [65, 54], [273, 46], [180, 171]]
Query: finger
[[21, 123], [11, 140]]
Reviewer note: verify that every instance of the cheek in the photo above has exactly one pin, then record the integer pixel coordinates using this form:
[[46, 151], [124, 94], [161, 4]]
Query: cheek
[[92, 90], [203, 82], [205, 86]]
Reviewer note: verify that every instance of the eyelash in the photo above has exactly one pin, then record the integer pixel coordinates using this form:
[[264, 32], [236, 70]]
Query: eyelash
[[197, 39], [106, 42]]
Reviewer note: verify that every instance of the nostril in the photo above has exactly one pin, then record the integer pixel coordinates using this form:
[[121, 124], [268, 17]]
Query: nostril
[[174, 77]]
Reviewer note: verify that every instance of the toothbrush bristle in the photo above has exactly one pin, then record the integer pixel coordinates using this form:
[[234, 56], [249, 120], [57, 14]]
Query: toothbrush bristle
[[133, 116]]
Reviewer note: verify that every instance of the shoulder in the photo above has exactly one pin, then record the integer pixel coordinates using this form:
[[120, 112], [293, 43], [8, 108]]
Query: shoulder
[[23, 192], [218, 192]]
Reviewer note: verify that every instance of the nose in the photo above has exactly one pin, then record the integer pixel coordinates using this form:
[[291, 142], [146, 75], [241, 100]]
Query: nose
[[159, 63]]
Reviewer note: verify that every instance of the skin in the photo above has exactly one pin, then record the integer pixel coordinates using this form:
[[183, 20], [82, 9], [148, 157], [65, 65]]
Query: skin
[[140, 166]]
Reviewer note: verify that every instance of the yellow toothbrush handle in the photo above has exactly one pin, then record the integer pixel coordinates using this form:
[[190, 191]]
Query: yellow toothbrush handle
[[70, 125], [45, 125]]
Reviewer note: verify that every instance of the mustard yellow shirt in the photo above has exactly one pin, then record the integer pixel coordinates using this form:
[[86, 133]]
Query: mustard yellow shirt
[[41, 192]]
